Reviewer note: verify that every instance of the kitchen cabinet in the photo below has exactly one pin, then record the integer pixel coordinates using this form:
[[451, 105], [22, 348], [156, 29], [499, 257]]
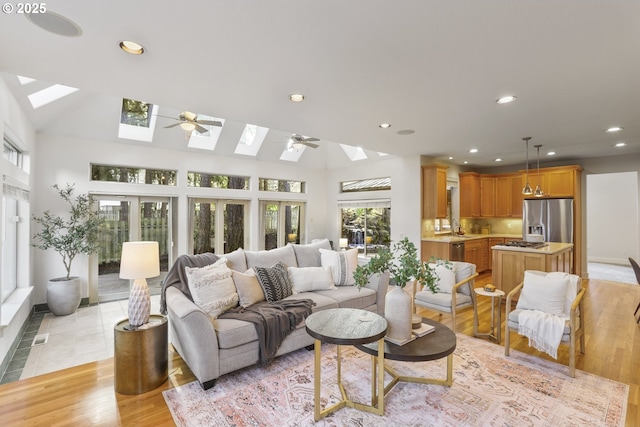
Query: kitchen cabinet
[[439, 250], [510, 264], [469, 194], [487, 195], [477, 252], [560, 181], [492, 242], [434, 191], [509, 195]]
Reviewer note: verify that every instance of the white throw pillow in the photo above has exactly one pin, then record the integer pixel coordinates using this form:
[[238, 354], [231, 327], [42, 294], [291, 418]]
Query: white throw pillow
[[308, 279], [546, 293], [212, 287], [249, 289], [446, 279], [342, 264]]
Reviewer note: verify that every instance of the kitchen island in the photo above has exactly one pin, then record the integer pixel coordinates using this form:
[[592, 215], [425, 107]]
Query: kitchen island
[[510, 262]]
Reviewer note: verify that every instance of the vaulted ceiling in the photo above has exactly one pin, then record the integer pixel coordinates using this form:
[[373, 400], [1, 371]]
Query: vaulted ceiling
[[432, 69]]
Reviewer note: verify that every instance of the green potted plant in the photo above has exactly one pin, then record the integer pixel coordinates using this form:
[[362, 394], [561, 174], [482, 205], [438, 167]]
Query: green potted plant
[[70, 235], [404, 266]]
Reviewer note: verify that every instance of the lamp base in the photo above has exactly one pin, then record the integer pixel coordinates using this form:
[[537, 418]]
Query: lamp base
[[139, 303]]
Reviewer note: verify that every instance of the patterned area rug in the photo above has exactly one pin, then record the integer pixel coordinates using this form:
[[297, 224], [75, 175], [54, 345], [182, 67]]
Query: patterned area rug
[[488, 389]]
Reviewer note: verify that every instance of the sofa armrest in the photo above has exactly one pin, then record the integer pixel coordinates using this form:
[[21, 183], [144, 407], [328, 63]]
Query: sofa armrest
[[379, 282], [193, 336]]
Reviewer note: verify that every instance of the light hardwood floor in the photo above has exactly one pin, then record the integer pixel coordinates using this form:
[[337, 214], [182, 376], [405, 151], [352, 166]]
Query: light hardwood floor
[[84, 395]]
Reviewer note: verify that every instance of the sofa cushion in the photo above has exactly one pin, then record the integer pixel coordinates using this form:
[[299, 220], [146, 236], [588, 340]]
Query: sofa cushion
[[274, 281], [212, 287], [351, 296], [322, 302], [236, 260], [248, 287], [233, 332], [342, 264], [310, 279], [309, 255], [268, 258]]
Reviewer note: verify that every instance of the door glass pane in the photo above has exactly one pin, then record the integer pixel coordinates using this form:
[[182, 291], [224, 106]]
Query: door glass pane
[[154, 227], [115, 214], [233, 226], [271, 225], [204, 227], [292, 223]]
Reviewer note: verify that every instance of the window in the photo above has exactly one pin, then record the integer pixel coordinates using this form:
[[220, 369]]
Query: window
[[281, 222], [133, 175], [373, 184], [218, 226], [135, 113], [281, 185], [197, 179], [15, 202], [12, 153], [366, 224]]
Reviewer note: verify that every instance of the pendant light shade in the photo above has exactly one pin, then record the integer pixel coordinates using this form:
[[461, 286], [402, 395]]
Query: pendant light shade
[[538, 192], [527, 191]]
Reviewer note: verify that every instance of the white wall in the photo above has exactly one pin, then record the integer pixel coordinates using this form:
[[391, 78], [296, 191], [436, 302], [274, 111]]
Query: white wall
[[612, 217]]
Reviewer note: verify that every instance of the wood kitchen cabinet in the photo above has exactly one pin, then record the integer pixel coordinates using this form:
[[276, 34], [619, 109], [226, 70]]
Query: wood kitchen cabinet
[[434, 191], [560, 181], [439, 250], [509, 195], [487, 195], [492, 242], [469, 194], [477, 252]]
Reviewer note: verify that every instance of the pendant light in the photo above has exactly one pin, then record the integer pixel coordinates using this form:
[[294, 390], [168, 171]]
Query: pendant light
[[527, 191], [538, 192]]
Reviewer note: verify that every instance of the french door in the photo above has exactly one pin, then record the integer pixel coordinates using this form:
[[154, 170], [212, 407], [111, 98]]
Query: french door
[[126, 219], [281, 222], [218, 226]]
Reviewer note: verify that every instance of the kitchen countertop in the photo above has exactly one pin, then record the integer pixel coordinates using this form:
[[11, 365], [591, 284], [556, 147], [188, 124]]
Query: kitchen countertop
[[455, 239], [549, 249]]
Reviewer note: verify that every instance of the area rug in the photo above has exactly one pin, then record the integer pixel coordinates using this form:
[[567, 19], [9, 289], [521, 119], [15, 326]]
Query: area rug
[[489, 389]]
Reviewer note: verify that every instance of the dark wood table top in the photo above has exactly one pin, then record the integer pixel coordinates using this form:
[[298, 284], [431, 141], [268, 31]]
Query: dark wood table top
[[346, 326], [435, 345]]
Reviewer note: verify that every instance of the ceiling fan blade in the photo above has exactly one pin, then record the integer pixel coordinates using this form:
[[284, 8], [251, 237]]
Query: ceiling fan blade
[[310, 139], [173, 125], [200, 129], [309, 144], [210, 122]]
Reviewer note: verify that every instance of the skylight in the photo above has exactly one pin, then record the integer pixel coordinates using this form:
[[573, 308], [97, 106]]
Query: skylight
[[354, 153], [49, 94], [209, 140], [137, 120], [25, 80], [251, 140], [292, 154]]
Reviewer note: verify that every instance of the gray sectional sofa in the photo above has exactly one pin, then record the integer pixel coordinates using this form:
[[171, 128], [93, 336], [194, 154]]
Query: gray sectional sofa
[[214, 347]]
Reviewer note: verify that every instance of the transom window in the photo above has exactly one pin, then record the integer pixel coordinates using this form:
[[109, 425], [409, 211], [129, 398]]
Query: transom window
[[281, 185], [131, 175], [198, 179]]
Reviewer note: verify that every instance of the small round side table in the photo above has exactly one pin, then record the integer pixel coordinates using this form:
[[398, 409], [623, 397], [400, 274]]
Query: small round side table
[[496, 299]]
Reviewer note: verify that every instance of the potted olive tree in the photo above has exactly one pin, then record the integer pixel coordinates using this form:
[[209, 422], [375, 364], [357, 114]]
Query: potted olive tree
[[404, 266], [70, 235]]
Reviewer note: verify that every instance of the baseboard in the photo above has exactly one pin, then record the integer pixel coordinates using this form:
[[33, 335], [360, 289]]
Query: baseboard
[[12, 349], [44, 308]]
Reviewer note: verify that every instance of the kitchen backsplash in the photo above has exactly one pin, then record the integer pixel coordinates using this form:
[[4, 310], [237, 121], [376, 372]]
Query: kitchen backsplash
[[479, 226]]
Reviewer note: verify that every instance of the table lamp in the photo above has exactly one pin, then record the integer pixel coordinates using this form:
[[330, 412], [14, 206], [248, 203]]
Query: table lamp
[[139, 261], [343, 243]]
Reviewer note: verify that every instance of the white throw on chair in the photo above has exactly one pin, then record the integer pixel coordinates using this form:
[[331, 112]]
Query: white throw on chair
[[545, 300], [455, 290]]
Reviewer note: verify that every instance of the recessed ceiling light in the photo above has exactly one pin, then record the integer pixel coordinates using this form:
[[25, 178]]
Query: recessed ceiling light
[[296, 97], [450, 157], [506, 99], [131, 47], [614, 129], [621, 144], [406, 132], [465, 162], [551, 153], [55, 23], [498, 159], [385, 125], [473, 150]]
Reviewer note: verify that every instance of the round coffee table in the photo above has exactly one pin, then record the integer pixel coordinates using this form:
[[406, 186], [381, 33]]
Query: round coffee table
[[347, 326], [433, 346]]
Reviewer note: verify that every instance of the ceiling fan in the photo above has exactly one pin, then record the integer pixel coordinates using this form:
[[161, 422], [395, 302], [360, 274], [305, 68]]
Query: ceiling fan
[[297, 141], [189, 122]]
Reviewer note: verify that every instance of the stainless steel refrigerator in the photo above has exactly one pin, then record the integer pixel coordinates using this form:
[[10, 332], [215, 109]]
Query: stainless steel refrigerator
[[553, 218]]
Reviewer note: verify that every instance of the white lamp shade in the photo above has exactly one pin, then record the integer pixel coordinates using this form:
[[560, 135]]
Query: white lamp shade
[[344, 242], [139, 260]]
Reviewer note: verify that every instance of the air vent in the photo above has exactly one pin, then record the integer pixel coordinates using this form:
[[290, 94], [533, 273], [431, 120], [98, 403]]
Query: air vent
[[40, 339]]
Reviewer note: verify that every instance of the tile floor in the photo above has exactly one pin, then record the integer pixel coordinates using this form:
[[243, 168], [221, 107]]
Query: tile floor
[[82, 337]]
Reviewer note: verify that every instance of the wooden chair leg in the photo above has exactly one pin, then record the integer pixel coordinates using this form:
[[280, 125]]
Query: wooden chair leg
[[572, 355], [507, 334], [453, 321]]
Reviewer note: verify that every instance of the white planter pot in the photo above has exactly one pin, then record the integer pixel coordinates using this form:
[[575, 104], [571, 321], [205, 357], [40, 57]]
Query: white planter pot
[[63, 296], [398, 313]]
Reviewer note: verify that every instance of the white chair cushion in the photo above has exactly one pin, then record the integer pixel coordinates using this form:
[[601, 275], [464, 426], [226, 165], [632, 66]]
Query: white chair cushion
[[446, 278], [544, 292], [441, 300]]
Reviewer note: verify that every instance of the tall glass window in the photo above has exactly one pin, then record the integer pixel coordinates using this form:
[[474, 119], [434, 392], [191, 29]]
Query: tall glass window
[[218, 226], [366, 225], [282, 222]]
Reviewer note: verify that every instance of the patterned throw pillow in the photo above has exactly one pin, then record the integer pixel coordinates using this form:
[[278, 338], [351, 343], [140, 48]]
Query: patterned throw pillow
[[212, 287], [342, 264], [274, 281]]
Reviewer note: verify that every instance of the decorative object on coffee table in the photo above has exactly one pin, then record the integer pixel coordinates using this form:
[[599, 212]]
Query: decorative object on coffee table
[[139, 261], [404, 267]]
